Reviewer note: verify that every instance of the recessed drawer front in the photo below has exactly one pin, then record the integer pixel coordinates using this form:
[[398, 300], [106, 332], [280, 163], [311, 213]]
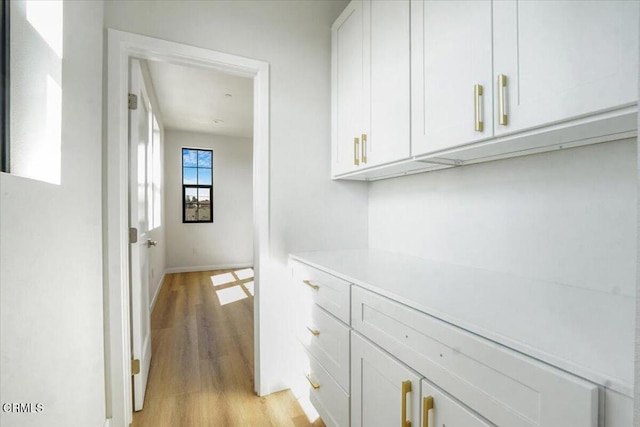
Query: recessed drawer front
[[327, 339], [329, 292], [441, 409], [331, 402], [505, 387]]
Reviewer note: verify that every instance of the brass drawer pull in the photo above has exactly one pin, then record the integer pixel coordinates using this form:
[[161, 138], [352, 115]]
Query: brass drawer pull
[[406, 389], [314, 385], [315, 332], [356, 143], [427, 405], [311, 285], [502, 100], [364, 148], [478, 93]]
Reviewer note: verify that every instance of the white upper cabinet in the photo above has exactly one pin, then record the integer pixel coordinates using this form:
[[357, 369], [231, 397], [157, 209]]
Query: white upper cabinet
[[387, 83], [483, 69], [347, 89], [452, 77], [564, 59], [370, 85]]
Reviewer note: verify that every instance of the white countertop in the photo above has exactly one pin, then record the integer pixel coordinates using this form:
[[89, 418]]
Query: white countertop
[[588, 333]]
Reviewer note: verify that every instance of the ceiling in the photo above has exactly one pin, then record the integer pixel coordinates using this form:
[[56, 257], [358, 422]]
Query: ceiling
[[203, 100]]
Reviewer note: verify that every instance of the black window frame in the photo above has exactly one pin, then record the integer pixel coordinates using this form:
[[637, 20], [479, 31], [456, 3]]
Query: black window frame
[[4, 86], [198, 187]]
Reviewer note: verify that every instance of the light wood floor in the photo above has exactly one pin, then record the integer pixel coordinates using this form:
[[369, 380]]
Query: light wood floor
[[202, 364]]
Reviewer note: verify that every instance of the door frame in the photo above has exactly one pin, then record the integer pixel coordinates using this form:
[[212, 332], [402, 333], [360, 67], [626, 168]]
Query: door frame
[[120, 47]]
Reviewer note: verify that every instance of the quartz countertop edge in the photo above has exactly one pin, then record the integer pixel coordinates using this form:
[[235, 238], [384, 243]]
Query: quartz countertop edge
[[512, 311]]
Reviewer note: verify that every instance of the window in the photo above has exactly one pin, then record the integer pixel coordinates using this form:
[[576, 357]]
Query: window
[[155, 217], [4, 86], [35, 88], [197, 188]]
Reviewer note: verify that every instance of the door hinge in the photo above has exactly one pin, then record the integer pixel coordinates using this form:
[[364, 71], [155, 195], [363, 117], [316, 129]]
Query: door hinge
[[135, 366], [133, 101], [133, 235]]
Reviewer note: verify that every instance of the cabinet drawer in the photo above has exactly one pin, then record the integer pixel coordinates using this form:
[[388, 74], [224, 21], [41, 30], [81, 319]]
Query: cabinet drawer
[[331, 402], [327, 339], [446, 410], [326, 290], [506, 387]]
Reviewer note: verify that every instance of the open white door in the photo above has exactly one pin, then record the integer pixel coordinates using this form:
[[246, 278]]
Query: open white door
[[139, 149]]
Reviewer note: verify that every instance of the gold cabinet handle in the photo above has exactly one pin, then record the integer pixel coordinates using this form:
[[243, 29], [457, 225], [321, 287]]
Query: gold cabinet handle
[[314, 385], [314, 332], [311, 285], [364, 148], [406, 389], [427, 405], [356, 143], [502, 100], [478, 92]]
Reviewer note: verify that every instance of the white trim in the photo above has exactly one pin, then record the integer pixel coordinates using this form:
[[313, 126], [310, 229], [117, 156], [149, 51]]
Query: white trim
[[155, 295], [107, 422], [207, 268], [122, 46]]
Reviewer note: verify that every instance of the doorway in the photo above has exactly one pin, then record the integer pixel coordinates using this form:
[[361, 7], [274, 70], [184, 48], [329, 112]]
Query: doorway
[[121, 48]]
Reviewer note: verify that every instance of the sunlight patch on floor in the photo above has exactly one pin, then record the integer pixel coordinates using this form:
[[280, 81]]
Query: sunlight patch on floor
[[222, 279], [249, 286], [243, 274], [229, 295]]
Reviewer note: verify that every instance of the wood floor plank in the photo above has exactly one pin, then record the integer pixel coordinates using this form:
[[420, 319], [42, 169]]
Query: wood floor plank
[[202, 372], [183, 374], [161, 312], [214, 338]]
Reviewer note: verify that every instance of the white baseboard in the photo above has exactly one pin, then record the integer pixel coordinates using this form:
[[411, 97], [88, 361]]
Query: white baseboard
[[273, 388], [155, 296], [107, 422], [208, 267]]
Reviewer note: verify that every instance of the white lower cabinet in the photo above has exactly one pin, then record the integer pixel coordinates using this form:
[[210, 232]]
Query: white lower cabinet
[[322, 329], [372, 361], [384, 392], [505, 387]]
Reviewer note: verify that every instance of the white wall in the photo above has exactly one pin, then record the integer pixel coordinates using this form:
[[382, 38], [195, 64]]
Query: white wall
[[307, 210], [567, 216], [51, 255], [228, 241]]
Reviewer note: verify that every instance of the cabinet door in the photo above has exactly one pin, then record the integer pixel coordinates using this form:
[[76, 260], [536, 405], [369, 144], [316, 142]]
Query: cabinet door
[[564, 59], [387, 81], [377, 398], [451, 53], [347, 90], [440, 409]]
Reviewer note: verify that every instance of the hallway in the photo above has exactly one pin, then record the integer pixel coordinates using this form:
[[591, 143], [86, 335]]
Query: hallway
[[202, 365]]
